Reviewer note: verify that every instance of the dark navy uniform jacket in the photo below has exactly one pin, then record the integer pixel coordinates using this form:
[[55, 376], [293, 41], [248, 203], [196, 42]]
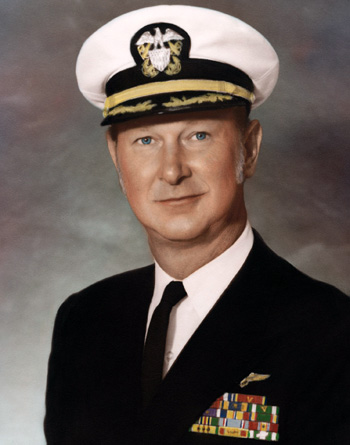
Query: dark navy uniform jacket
[[272, 319]]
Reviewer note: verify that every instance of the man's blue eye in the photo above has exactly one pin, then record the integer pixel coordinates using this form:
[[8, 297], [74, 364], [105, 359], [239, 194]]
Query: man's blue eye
[[146, 141], [200, 136]]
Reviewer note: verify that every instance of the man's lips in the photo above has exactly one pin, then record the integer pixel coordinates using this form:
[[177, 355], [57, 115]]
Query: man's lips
[[179, 199]]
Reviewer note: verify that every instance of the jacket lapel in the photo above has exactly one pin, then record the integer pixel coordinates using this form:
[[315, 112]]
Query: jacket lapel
[[222, 351], [118, 343]]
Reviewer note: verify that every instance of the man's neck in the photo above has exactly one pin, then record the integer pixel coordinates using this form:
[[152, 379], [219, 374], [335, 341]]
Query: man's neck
[[180, 259]]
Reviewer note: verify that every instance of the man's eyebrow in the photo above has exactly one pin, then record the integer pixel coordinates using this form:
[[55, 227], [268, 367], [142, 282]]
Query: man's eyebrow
[[143, 128], [186, 122]]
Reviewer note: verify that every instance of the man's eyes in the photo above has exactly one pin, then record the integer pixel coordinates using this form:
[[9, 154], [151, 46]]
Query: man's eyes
[[145, 140], [200, 136]]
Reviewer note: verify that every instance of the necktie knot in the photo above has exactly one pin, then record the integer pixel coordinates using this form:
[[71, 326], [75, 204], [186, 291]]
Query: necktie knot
[[173, 293]]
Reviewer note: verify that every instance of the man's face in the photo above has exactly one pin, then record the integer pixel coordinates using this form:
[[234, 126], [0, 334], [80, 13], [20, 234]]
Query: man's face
[[179, 172]]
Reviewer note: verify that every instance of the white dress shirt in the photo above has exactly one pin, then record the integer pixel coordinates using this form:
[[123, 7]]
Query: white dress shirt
[[203, 287]]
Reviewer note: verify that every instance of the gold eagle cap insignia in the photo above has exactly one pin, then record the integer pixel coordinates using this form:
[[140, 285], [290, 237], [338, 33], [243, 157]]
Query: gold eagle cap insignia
[[253, 377], [160, 52]]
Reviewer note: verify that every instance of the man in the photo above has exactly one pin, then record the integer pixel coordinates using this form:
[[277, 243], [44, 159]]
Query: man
[[221, 339]]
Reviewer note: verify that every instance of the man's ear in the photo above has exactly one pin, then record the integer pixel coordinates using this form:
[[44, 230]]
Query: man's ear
[[112, 147], [252, 143]]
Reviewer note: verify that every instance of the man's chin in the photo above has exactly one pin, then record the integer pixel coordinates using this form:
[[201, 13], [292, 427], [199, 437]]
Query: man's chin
[[176, 233]]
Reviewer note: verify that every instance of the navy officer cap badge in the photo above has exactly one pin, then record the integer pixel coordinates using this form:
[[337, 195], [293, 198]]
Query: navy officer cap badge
[[173, 58]]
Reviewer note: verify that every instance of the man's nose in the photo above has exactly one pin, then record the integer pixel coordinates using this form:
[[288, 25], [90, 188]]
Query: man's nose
[[174, 166]]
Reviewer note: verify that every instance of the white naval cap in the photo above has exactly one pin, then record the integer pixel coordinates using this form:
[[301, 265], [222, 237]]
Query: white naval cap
[[172, 58]]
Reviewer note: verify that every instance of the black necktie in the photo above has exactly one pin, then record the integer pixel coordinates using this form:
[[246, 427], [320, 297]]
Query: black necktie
[[153, 355]]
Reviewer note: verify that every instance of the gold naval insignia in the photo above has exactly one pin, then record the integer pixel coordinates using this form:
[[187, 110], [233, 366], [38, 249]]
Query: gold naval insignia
[[253, 377], [161, 57]]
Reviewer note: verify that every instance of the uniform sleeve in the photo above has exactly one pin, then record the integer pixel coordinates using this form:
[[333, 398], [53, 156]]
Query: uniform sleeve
[[56, 388]]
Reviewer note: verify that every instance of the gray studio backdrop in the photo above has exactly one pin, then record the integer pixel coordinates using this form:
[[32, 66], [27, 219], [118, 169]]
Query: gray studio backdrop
[[64, 221]]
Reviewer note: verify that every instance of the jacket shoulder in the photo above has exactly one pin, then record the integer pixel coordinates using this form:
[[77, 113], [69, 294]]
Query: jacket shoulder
[[294, 293], [282, 273], [111, 291]]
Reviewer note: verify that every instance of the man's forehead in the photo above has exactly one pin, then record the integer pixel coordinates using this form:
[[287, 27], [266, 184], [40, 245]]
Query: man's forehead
[[233, 114]]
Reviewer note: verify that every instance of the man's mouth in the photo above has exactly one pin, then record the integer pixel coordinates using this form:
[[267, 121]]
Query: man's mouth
[[179, 199]]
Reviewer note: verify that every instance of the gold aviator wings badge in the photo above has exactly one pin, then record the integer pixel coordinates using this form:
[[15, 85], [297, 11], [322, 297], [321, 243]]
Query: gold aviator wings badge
[[253, 377]]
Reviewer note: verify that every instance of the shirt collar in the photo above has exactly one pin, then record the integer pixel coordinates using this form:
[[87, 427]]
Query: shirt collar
[[205, 285]]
